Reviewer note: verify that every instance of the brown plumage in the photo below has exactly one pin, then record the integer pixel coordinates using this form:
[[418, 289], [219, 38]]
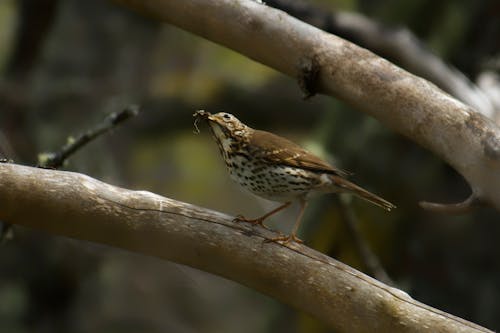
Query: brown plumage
[[276, 149], [276, 168]]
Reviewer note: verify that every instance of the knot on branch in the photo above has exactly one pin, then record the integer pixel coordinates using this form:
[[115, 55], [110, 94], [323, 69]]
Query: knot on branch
[[307, 76]]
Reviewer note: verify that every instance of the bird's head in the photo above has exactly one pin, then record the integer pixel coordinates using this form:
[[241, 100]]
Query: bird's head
[[224, 125]]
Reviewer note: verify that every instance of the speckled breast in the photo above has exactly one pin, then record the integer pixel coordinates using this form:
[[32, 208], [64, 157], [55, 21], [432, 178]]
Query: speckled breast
[[270, 181]]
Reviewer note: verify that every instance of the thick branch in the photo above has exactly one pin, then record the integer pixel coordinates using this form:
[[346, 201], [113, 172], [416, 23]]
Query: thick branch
[[399, 45], [81, 207], [467, 140]]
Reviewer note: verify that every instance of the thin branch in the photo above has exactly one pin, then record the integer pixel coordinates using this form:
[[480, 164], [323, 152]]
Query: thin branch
[[140, 221], [412, 106], [453, 209], [56, 160], [368, 258]]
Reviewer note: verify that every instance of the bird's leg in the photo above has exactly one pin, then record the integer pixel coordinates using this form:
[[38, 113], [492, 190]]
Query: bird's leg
[[260, 220], [293, 236]]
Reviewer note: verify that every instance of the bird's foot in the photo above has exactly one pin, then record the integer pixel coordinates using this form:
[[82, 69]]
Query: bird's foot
[[284, 240], [257, 221]]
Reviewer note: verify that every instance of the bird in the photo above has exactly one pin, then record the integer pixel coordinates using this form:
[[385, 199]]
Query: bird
[[277, 169]]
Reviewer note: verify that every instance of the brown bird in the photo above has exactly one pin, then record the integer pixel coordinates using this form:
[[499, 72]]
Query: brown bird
[[277, 169]]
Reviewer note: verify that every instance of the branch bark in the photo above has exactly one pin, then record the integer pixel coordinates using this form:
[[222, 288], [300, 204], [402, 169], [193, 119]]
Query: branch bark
[[461, 136], [397, 44], [81, 207]]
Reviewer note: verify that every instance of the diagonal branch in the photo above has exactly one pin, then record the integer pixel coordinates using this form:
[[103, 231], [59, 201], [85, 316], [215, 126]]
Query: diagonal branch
[[56, 160], [368, 258], [81, 207], [397, 44], [461, 136]]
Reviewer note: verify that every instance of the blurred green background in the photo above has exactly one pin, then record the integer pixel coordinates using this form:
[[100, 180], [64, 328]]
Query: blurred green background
[[66, 64]]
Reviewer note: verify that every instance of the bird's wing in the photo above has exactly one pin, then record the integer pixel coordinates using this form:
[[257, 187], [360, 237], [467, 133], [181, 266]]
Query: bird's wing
[[279, 150]]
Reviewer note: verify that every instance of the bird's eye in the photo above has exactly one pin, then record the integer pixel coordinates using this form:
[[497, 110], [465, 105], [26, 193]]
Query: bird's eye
[[226, 116]]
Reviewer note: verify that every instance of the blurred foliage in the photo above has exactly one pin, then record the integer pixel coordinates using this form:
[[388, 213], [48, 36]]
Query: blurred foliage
[[91, 57], [8, 18]]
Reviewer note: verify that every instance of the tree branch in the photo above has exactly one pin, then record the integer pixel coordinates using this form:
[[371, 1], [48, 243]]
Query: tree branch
[[453, 209], [467, 140], [81, 207], [56, 160], [368, 258], [399, 45]]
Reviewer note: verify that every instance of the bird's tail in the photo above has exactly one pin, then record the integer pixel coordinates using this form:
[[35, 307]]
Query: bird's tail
[[350, 187]]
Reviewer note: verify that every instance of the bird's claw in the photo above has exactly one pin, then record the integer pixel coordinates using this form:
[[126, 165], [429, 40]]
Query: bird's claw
[[258, 221]]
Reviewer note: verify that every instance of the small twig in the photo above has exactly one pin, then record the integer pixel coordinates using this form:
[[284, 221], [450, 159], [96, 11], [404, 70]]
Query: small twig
[[56, 159], [369, 259], [463, 207]]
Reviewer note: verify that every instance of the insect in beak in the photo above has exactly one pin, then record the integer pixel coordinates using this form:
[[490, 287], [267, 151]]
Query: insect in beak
[[199, 114]]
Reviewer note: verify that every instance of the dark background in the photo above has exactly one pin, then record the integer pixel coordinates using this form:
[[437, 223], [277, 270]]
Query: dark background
[[66, 64]]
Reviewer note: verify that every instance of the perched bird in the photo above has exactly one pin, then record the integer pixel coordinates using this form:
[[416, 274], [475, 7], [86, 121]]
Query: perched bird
[[277, 169]]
